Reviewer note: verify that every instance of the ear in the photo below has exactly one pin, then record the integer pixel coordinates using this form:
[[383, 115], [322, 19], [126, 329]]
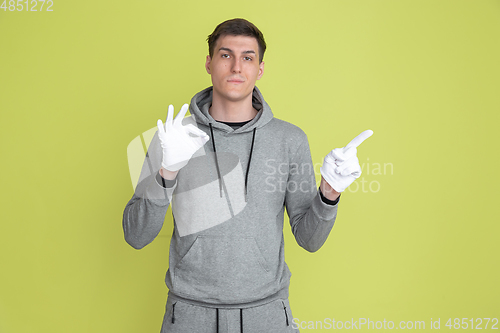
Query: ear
[[207, 64], [261, 70]]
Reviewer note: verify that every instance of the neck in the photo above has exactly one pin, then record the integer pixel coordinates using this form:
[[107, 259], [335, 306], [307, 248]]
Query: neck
[[231, 111]]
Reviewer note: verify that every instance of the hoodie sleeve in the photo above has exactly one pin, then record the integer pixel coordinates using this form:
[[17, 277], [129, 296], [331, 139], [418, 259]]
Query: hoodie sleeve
[[311, 219], [145, 212]]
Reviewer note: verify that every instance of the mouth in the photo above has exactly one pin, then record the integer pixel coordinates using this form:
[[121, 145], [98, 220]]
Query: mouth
[[235, 81]]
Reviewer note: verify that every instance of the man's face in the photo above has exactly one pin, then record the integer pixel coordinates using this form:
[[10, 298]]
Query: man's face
[[235, 67]]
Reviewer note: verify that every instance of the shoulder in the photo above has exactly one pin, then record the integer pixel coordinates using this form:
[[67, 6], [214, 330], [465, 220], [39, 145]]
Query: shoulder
[[290, 137], [293, 134]]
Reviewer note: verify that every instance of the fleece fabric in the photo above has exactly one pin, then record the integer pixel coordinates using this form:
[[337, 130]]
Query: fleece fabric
[[228, 204], [273, 317]]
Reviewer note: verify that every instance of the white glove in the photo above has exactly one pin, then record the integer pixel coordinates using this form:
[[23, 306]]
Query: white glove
[[175, 139], [341, 166]]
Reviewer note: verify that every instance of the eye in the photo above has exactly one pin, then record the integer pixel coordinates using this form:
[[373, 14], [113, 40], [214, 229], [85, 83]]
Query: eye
[[225, 55], [248, 58]]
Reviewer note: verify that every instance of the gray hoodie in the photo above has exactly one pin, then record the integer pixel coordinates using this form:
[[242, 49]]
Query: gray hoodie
[[228, 204]]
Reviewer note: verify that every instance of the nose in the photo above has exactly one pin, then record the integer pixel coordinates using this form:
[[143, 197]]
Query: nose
[[236, 68]]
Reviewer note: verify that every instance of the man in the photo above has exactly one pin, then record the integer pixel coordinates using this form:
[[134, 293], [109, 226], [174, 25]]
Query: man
[[227, 271]]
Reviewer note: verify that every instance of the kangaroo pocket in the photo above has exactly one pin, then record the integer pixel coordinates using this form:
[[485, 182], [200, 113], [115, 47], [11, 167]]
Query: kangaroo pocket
[[222, 269]]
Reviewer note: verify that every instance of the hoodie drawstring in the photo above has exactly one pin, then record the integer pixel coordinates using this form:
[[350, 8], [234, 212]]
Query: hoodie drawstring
[[248, 166], [217, 161], [217, 166]]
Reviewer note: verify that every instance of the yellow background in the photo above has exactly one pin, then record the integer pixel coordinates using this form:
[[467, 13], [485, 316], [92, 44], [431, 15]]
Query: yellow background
[[81, 82]]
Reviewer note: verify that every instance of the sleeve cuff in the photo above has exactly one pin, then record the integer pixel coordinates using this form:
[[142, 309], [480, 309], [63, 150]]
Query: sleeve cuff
[[328, 201], [165, 183]]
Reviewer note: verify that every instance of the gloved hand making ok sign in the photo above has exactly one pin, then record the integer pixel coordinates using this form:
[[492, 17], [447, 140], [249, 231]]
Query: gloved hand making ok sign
[[177, 143], [341, 166]]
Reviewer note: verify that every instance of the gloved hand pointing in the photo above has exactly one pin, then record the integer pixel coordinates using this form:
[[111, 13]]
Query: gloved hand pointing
[[341, 166], [178, 146]]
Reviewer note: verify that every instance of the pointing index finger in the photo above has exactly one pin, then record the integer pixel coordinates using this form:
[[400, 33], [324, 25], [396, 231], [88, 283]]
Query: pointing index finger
[[359, 139]]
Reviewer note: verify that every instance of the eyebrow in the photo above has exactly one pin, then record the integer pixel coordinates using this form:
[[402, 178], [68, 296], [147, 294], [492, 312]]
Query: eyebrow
[[229, 50]]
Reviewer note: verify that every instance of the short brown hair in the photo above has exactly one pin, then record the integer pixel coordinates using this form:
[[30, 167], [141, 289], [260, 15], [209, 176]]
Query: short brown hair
[[237, 27]]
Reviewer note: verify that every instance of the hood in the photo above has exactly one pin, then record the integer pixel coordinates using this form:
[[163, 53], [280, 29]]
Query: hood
[[199, 106], [202, 101]]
